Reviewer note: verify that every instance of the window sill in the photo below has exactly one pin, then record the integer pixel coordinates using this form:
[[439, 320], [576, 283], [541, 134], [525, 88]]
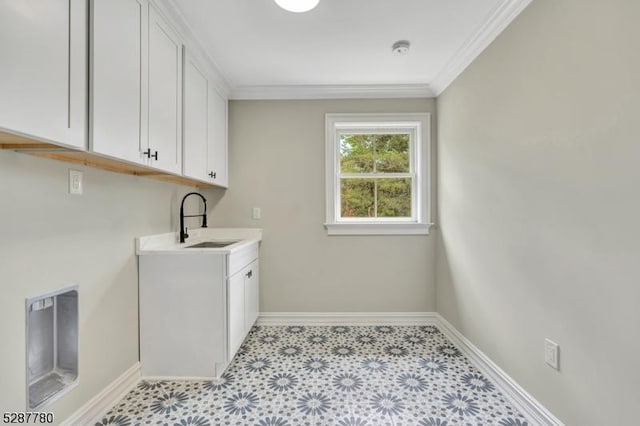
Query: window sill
[[378, 228]]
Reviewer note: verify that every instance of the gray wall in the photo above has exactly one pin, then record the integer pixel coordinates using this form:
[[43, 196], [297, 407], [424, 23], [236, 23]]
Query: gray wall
[[50, 239], [539, 185], [277, 164]]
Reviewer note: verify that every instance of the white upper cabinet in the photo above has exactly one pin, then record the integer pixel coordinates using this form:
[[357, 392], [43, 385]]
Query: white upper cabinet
[[165, 95], [217, 151], [108, 76], [196, 116], [43, 70], [205, 126], [136, 81], [118, 68]]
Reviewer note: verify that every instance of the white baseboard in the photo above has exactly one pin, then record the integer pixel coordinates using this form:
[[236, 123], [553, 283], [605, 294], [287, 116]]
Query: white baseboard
[[96, 407], [535, 412], [347, 318], [519, 397], [178, 378]]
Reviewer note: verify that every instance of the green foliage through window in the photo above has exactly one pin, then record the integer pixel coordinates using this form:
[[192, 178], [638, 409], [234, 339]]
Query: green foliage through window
[[366, 187]]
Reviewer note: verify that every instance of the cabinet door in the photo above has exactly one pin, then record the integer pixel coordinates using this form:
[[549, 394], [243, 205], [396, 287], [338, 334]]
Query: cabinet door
[[43, 67], [165, 95], [251, 295], [235, 295], [195, 124], [118, 73], [217, 156]]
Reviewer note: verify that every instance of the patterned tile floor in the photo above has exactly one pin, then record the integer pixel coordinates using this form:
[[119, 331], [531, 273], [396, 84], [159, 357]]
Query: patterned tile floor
[[343, 376]]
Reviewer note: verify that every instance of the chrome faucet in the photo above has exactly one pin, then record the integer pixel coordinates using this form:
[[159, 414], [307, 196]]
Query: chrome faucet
[[183, 231]]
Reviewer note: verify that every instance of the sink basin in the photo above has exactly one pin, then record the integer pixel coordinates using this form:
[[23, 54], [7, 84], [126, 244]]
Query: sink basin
[[212, 244]]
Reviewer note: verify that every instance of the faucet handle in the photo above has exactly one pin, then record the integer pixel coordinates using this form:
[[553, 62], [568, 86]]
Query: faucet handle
[[186, 232]]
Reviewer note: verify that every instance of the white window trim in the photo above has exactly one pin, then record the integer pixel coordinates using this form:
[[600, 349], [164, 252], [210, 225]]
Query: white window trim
[[420, 123]]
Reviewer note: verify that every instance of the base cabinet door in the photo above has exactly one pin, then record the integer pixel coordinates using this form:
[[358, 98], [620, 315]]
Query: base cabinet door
[[43, 81], [235, 295], [251, 296], [243, 298]]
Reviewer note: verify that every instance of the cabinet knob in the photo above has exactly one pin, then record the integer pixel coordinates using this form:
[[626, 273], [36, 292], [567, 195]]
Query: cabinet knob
[[250, 274], [212, 175]]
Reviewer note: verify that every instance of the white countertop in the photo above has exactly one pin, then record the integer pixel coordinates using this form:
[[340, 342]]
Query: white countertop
[[169, 243]]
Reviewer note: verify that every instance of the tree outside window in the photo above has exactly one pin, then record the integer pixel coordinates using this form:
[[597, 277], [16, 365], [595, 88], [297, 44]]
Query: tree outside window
[[375, 175]]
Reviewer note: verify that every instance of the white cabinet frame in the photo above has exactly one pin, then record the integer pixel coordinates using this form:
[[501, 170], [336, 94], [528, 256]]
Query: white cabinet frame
[[195, 310]]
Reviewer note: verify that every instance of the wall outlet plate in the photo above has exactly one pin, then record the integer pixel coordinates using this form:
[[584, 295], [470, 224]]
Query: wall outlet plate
[[75, 182], [551, 353], [257, 213]]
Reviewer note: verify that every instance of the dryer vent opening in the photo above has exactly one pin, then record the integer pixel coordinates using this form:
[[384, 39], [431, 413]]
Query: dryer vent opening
[[52, 346]]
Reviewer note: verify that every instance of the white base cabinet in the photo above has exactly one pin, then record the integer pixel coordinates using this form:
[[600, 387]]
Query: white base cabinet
[[196, 310]]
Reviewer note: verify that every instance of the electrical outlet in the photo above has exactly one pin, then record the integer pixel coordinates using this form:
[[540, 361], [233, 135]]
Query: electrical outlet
[[75, 182], [551, 353], [257, 214]]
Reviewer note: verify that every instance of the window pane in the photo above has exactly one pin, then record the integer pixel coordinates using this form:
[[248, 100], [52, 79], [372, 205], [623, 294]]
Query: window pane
[[356, 153], [394, 197], [357, 198], [392, 153]]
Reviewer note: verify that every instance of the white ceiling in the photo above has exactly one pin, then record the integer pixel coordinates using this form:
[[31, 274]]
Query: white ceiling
[[343, 46]]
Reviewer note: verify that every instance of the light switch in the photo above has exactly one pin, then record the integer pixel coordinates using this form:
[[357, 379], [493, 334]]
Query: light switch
[[75, 182], [551, 352]]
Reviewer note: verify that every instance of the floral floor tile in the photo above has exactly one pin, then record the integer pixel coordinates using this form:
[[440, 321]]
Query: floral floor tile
[[326, 376]]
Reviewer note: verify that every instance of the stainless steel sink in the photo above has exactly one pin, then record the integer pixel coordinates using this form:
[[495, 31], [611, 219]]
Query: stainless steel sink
[[213, 244]]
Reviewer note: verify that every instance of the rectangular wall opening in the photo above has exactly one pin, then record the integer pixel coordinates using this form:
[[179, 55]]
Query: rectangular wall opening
[[52, 346]]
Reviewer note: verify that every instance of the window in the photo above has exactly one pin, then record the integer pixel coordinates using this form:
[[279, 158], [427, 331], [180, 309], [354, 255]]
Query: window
[[377, 173]]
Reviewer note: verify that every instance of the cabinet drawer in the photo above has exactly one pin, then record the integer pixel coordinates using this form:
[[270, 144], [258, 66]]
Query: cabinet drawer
[[242, 258]]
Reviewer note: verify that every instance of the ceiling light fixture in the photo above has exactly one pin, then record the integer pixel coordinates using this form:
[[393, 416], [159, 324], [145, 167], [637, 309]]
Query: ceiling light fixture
[[297, 6], [400, 47]]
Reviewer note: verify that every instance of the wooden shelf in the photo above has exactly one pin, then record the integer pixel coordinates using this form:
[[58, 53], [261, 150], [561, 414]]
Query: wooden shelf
[[53, 151]]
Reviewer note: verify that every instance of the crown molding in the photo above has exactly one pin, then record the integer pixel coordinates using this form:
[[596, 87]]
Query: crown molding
[[170, 11], [497, 20], [356, 91]]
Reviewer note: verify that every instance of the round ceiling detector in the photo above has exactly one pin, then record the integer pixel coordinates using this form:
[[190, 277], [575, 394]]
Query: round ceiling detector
[[297, 5], [400, 47]]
